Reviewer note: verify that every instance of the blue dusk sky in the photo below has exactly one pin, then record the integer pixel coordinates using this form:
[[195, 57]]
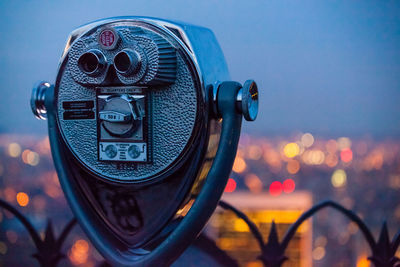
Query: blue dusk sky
[[326, 67]]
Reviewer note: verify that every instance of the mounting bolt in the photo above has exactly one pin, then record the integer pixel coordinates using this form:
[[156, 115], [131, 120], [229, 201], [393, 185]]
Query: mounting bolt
[[247, 100], [37, 99]]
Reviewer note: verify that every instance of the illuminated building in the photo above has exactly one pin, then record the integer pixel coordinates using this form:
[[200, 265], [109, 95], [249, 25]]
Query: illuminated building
[[233, 236]]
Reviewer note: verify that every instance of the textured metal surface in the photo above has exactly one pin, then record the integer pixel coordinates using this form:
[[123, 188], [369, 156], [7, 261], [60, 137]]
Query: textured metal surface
[[174, 110], [158, 57], [161, 56]]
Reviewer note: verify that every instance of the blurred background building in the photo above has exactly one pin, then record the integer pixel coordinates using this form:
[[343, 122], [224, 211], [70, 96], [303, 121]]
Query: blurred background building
[[328, 127], [233, 236]]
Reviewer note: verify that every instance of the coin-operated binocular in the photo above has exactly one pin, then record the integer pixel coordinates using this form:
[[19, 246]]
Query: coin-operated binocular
[[143, 125]]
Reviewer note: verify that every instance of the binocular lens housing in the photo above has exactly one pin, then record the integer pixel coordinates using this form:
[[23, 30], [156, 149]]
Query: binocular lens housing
[[127, 61], [92, 62]]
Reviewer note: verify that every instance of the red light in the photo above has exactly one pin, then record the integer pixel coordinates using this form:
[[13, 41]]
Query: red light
[[346, 155], [275, 189], [230, 185], [288, 186]]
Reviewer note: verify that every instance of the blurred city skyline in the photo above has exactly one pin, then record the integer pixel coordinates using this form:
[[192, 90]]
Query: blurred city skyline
[[282, 177], [330, 68]]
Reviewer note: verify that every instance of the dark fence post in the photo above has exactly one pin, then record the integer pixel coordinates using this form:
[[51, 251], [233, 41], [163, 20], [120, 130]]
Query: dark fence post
[[49, 249]]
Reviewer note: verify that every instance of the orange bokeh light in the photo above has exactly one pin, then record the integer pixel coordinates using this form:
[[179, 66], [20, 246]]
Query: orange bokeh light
[[331, 160], [79, 252], [254, 152], [25, 156], [272, 158], [331, 146], [363, 262], [253, 183], [293, 166], [239, 165], [22, 199]]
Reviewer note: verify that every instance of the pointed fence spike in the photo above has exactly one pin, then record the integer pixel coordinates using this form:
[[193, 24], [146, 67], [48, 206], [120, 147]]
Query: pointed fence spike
[[49, 238], [384, 235], [273, 238]]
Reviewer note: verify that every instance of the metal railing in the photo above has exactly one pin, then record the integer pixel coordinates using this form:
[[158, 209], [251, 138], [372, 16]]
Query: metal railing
[[272, 252]]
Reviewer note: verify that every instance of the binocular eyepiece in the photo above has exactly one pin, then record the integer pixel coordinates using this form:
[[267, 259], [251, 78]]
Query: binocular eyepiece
[[127, 62], [94, 62], [144, 124]]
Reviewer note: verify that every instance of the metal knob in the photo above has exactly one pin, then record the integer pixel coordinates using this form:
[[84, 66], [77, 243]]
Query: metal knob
[[38, 98], [121, 115], [247, 100]]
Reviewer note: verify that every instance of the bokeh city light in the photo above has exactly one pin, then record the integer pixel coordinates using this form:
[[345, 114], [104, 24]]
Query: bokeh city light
[[354, 172]]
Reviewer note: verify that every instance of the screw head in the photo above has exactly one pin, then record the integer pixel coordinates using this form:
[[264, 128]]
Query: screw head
[[111, 151], [134, 151]]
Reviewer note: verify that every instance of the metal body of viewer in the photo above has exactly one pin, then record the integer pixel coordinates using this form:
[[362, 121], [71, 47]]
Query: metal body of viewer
[[144, 125]]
